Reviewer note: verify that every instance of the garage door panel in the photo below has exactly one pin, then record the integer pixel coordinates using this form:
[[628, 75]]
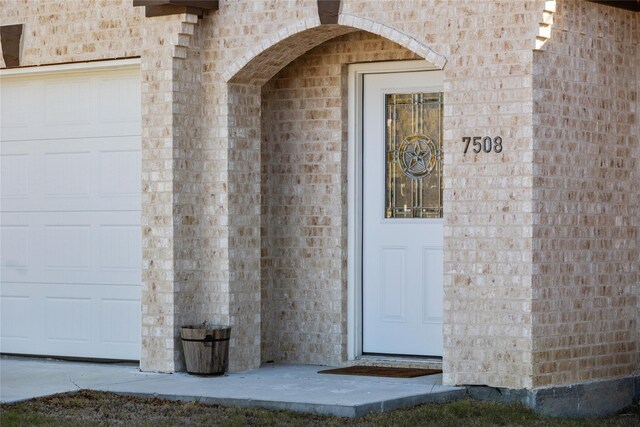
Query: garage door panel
[[96, 174], [66, 174], [70, 203], [120, 174], [68, 106], [15, 104], [14, 248], [67, 101], [114, 312], [114, 106], [70, 320], [71, 247], [120, 249], [67, 248], [15, 317], [14, 176]]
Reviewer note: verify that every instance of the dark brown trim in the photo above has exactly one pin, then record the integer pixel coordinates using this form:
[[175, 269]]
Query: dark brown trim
[[10, 36], [200, 4], [174, 7], [633, 5], [170, 9], [328, 11]]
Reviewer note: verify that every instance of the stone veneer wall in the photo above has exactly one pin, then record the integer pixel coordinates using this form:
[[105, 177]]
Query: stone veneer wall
[[304, 206], [586, 194]]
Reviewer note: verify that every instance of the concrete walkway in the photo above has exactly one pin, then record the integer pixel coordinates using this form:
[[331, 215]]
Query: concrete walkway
[[293, 387]]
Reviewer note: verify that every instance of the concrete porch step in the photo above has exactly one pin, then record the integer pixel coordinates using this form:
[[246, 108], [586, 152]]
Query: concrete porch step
[[289, 387]]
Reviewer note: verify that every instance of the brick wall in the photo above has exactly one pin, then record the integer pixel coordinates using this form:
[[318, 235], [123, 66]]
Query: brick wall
[[586, 252], [70, 31]]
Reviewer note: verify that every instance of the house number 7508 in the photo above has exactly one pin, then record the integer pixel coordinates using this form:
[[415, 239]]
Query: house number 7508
[[486, 144]]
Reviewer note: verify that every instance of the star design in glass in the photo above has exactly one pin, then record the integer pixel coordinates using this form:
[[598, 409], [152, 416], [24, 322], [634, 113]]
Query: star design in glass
[[418, 156]]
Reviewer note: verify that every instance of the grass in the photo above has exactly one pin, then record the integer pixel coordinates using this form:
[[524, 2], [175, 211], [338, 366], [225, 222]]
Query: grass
[[91, 408]]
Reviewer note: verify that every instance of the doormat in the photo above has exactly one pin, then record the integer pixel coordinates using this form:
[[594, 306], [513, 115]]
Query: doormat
[[380, 371]]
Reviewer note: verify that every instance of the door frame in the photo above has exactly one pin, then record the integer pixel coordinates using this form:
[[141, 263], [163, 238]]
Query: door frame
[[356, 74]]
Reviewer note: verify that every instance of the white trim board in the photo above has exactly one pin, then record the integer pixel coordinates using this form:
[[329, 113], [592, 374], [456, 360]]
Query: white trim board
[[71, 67]]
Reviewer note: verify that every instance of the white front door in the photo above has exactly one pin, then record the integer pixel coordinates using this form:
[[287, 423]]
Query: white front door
[[402, 232]]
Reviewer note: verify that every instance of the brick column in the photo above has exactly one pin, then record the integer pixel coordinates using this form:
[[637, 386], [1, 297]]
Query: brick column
[[167, 185], [244, 224]]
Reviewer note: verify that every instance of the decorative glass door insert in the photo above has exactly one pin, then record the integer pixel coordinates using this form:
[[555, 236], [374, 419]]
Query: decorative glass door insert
[[413, 148]]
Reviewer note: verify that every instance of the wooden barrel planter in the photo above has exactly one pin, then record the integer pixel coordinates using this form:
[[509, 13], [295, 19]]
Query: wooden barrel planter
[[206, 348]]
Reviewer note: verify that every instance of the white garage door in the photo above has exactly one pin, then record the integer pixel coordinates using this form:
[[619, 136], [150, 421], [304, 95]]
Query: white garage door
[[70, 211]]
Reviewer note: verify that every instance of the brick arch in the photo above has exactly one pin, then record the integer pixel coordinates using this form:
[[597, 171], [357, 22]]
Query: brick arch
[[404, 40], [264, 60]]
